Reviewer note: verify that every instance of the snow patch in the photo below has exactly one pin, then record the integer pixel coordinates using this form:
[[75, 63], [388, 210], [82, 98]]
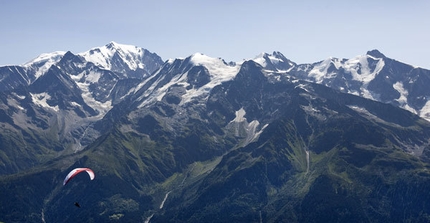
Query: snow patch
[[148, 219], [307, 160], [21, 97], [365, 113], [93, 77], [425, 111], [241, 126], [240, 116], [101, 107], [403, 98], [164, 200], [41, 100], [12, 102]]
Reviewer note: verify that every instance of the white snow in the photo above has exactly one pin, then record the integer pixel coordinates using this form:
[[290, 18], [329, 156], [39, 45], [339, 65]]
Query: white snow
[[364, 112], [273, 59], [47, 57], [319, 72], [101, 107], [403, 98], [240, 116], [21, 97], [87, 77], [41, 100], [148, 219], [100, 56], [307, 160], [425, 111], [14, 103], [164, 200], [43, 215], [260, 59], [93, 77], [84, 80], [219, 72], [45, 61], [240, 123], [151, 94]]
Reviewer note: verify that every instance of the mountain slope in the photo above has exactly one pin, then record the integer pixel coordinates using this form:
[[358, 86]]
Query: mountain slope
[[202, 140], [312, 164], [372, 76], [259, 146], [57, 97]]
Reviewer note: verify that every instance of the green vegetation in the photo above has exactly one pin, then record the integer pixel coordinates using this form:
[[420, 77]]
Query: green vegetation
[[317, 160]]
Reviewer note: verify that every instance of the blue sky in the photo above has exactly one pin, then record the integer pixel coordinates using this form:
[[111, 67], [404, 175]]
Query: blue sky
[[304, 31]]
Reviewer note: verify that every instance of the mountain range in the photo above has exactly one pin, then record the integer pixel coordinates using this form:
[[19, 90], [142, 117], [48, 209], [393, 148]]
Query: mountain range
[[199, 139]]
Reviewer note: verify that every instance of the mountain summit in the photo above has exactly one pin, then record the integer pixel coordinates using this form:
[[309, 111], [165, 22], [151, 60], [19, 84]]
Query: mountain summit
[[123, 58], [375, 53]]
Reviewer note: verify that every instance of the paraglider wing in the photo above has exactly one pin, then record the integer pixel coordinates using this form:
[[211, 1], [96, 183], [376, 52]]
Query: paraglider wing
[[76, 171]]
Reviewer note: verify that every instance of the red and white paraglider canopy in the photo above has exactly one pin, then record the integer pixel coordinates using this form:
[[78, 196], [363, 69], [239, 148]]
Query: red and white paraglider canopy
[[76, 171]]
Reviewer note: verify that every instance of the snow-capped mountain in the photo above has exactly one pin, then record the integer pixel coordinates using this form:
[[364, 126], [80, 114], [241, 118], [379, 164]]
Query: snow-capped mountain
[[197, 137], [196, 75], [125, 59], [373, 76], [77, 90], [67, 93], [40, 65], [98, 75], [275, 62]]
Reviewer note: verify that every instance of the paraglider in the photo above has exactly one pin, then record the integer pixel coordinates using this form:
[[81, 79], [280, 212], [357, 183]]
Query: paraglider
[[76, 171]]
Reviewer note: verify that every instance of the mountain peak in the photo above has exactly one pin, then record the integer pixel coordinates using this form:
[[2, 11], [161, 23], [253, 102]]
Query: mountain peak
[[375, 53], [204, 72], [104, 56], [46, 57], [278, 54], [216, 66], [44, 61], [200, 58], [274, 61], [114, 46], [111, 44]]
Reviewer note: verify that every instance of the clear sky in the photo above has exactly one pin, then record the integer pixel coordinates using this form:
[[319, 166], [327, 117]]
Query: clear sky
[[304, 31]]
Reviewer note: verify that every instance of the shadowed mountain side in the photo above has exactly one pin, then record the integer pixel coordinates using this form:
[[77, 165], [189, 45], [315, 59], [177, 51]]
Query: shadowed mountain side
[[202, 140]]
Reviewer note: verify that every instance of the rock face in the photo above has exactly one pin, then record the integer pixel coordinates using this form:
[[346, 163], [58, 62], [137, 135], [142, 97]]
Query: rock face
[[201, 140], [54, 100], [373, 76]]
